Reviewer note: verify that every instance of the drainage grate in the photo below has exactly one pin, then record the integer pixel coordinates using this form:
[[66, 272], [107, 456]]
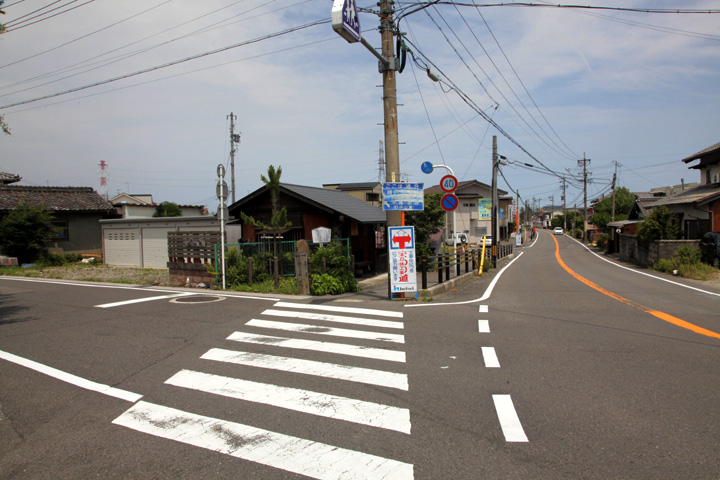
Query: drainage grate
[[197, 299]]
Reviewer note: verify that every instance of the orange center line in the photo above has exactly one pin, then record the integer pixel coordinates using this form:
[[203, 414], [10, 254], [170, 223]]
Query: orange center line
[[661, 315]]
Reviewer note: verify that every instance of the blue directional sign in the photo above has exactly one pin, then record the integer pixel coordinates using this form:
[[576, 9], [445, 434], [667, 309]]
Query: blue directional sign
[[427, 167], [345, 20], [403, 197]]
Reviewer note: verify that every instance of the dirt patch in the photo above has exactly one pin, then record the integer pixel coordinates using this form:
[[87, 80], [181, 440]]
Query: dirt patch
[[98, 273]]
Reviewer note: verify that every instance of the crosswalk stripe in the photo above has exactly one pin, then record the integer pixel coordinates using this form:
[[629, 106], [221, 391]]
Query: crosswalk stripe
[[310, 367], [293, 454], [328, 308], [336, 332], [306, 401], [314, 345], [335, 318]]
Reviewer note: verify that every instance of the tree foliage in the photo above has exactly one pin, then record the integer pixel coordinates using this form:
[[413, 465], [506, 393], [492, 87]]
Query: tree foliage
[[25, 232], [278, 220], [427, 222], [659, 225], [168, 209], [624, 201]]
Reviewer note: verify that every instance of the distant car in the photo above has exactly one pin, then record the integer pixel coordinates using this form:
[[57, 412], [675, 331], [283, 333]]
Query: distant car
[[558, 231], [461, 239], [710, 248], [488, 240]]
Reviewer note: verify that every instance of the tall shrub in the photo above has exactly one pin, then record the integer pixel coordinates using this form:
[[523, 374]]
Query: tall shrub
[[26, 231]]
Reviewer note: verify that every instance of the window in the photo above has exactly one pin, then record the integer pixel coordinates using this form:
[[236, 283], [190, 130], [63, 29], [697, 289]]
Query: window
[[61, 230], [372, 197]]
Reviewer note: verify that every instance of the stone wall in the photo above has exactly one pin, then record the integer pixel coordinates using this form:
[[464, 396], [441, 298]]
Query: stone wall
[[632, 250]]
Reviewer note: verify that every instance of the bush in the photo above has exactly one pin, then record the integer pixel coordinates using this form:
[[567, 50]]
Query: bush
[[238, 268], [337, 268], [25, 232], [324, 284], [687, 263], [659, 225], [602, 241]]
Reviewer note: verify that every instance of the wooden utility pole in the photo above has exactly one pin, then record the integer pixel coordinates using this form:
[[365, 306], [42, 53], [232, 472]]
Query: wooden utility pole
[[392, 150], [584, 161], [613, 189]]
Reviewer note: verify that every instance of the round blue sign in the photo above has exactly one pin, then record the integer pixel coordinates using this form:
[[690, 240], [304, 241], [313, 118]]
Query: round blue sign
[[426, 167], [449, 202]]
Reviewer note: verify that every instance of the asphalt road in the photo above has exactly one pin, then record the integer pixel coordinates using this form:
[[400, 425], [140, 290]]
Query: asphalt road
[[539, 371]]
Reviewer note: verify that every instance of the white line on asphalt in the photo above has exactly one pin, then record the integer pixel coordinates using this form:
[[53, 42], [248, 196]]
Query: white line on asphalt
[[362, 311], [140, 300], [490, 357], [327, 347], [293, 454], [486, 295], [306, 401], [336, 318], [70, 378], [509, 420], [310, 367], [317, 330], [484, 326], [483, 308], [647, 274]]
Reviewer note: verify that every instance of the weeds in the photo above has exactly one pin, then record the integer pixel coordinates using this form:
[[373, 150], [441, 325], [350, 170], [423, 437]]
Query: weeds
[[686, 263]]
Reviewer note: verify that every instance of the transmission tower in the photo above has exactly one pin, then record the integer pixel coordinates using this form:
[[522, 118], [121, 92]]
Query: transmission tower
[[103, 179]]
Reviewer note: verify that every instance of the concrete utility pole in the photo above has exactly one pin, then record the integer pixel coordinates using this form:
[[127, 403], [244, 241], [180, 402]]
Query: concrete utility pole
[[564, 207], [234, 139], [494, 216], [613, 189], [392, 150], [552, 209], [584, 162]]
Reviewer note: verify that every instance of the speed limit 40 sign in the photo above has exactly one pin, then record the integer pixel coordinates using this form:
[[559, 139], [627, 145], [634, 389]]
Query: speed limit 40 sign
[[448, 183]]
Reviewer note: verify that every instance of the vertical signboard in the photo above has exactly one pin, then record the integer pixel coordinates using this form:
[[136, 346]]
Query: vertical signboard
[[403, 272]]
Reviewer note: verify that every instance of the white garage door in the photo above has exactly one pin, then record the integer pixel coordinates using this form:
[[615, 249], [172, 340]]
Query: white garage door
[[122, 247], [155, 247]]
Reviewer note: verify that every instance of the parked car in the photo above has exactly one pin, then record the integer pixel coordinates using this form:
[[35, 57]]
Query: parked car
[[710, 248], [488, 240], [558, 231], [462, 239]]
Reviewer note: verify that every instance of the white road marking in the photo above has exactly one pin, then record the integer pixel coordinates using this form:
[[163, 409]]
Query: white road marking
[[70, 378], [509, 420], [310, 367], [335, 318], [140, 300], [317, 330], [483, 308], [362, 311], [484, 326], [293, 454], [314, 345], [490, 357], [306, 401], [486, 295]]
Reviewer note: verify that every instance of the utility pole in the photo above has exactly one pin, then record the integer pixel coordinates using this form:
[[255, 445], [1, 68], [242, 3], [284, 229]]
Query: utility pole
[[552, 208], [392, 150], [613, 189], [234, 139], [494, 219], [517, 212], [584, 161], [564, 207]]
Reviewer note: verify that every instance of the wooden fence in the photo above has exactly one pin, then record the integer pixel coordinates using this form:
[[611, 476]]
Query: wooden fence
[[189, 253]]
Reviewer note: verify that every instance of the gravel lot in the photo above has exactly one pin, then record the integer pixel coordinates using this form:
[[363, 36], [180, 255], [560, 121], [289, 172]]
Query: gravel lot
[[99, 273]]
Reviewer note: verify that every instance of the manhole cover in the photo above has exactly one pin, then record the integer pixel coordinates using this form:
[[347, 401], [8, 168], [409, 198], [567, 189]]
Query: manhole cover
[[197, 299]]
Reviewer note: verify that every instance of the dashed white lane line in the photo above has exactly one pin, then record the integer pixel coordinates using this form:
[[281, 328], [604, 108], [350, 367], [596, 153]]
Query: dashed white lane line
[[327, 308], [483, 308], [277, 450], [317, 330], [509, 420], [314, 345], [490, 357], [306, 401], [310, 367], [484, 326], [70, 378]]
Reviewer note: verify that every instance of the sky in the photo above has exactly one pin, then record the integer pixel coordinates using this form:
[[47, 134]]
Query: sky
[[628, 90]]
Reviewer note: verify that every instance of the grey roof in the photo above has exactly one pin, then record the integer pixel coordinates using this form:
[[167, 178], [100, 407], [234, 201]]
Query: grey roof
[[355, 186], [701, 194], [65, 199], [702, 153], [6, 178], [339, 201]]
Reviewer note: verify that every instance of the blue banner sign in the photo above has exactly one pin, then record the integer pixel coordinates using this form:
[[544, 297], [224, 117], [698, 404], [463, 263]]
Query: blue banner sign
[[403, 197]]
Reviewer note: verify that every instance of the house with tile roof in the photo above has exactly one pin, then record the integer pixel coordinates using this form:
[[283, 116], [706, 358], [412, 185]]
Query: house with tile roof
[[77, 211], [311, 207]]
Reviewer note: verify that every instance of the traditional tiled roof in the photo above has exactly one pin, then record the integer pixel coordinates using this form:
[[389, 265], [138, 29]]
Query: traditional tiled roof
[[60, 199], [699, 195], [6, 178], [702, 153]]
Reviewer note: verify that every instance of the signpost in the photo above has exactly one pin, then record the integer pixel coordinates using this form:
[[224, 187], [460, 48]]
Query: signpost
[[403, 270], [403, 196]]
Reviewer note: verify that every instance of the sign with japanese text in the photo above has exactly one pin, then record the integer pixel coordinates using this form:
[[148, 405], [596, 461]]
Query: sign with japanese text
[[485, 209], [403, 197], [403, 271], [345, 20]]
